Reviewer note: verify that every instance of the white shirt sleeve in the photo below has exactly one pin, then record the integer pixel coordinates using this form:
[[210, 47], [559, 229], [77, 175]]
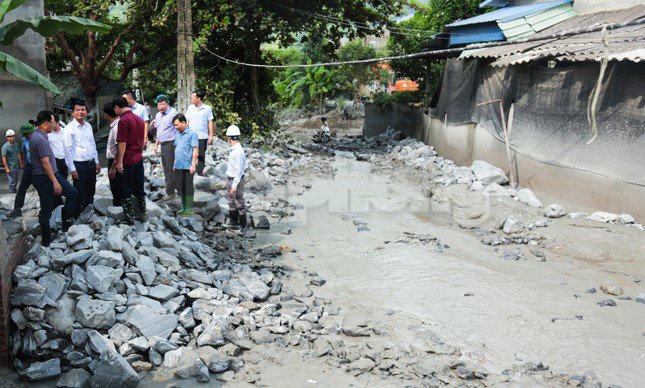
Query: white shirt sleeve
[[69, 147]]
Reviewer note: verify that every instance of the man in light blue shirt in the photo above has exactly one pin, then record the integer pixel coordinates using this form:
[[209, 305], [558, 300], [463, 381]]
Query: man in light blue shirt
[[186, 150], [140, 111], [201, 120]]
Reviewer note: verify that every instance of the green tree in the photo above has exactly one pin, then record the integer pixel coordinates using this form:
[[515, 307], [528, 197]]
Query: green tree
[[138, 38], [353, 77], [237, 30], [430, 19], [318, 81], [46, 26]]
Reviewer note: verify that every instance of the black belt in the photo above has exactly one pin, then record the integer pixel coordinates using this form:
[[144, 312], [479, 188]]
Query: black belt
[[85, 161]]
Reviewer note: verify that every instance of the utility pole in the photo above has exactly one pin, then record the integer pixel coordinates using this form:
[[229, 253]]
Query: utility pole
[[185, 60]]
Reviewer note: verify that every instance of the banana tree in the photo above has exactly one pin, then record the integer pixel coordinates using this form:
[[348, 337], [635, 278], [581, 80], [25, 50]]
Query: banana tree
[[318, 81], [46, 26]]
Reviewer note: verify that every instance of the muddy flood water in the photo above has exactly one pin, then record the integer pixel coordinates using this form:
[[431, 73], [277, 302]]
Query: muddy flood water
[[498, 312]]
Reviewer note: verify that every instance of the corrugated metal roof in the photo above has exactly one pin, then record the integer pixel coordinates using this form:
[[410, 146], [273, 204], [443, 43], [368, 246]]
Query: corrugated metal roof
[[494, 3], [582, 47], [484, 32], [508, 14]]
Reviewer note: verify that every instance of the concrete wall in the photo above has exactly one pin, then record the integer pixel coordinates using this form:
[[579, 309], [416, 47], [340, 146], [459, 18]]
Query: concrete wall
[[22, 100], [465, 143]]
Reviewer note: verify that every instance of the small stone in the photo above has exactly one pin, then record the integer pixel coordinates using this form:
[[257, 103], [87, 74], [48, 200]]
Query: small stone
[[356, 325], [607, 303], [602, 217], [101, 277], [513, 225], [80, 237], [147, 269], [116, 213], [611, 289], [99, 343], [526, 196], [361, 365], [162, 292], [140, 344], [29, 293], [263, 223], [115, 238], [19, 319], [592, 290], [161, 345], [554, 211], [75, 378], [120, 333], [487, 173], [33, 314], [55, 284], [150, 323], [626, 219]]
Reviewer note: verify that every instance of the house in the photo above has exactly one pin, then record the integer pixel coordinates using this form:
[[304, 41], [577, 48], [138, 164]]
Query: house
[[22, 100], [575, 91]]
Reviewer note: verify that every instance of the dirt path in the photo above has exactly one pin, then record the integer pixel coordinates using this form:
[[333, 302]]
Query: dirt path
[[441, 279]]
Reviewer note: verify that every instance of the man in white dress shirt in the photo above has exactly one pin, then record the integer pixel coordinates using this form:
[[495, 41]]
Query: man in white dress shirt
[[82, 147], [59, 141], [139, 110], [201, 120]]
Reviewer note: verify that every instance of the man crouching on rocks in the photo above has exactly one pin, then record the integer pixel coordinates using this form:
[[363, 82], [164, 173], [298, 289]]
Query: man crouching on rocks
[[235, 180]]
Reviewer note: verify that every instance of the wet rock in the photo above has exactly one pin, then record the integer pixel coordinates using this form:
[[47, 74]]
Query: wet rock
[[210, 210], [626, 219], [114, 371], [61, 317], [361, 365], [115, 238], [602, 217], [29, 293], [75, 378], [263, 223], [640, 298], [33, 314], [513, 225], [162, 292], [554, 211], [611, 289], [80, 237], [356, 325], [487, 173], [607, 303], [79, 258], [101, 277], [149, 323], [592, 290], [120, 334], [18, 318], [147, 269], [526, 196], [42, 370], [55, 284], [96, 314]]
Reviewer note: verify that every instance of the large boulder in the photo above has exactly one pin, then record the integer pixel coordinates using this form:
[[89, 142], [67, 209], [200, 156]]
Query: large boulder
[[487, 173]]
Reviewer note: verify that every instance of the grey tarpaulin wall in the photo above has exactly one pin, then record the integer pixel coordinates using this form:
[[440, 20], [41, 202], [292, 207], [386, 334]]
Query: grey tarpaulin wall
[[550, 119]]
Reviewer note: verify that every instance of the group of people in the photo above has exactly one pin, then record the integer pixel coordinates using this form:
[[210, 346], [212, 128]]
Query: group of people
[[51, 152]]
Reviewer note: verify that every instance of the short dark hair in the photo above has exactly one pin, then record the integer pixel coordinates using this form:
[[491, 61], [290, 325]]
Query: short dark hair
[[43, 117], [32, 122], [56, 117], [129, 92], [121, 102], [109, 109], [323, 119], [200, 93], [76, 103], [180, 117]]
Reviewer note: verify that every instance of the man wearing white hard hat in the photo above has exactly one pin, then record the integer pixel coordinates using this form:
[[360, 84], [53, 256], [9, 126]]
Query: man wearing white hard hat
[[235, 179], [11, 159]]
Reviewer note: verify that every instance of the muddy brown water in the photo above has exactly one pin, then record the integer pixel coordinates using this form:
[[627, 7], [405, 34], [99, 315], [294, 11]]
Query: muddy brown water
[[497, 311]]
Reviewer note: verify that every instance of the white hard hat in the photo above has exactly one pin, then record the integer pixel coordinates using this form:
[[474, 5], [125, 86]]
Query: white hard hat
[[10, 132], [233, 130]]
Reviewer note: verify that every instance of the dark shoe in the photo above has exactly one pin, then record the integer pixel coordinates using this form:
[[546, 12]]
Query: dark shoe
[[68, 219], [128, 211], [140, 209], [14, 214]]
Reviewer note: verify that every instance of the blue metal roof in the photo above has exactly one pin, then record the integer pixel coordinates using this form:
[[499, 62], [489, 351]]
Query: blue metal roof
[[483, 32], [507, 14], [494, 3]]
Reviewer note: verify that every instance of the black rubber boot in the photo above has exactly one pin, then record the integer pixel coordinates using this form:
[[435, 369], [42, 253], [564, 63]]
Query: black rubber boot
[[68, 219], [243, 225], [46, 234], [233, 219], [140, 209]]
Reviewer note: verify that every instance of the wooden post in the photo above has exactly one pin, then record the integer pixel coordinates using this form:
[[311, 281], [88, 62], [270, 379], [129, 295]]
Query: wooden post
[[185, 59]]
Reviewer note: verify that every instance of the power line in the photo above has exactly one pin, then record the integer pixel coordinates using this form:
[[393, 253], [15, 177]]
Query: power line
[[563, 34]]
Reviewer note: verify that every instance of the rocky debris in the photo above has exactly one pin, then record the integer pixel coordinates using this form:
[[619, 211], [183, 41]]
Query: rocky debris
[[626, 219], [554, 211], [526, 196], [513, 225], [611, 289], [603, 217], [75, 378], [487, 173], [42, 370], [607, 303], [640, 298]]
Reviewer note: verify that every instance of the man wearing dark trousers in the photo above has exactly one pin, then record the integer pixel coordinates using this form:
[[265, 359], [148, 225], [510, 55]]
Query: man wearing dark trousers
[[111, 152], [129, 165], [48, 182], [27, 131], [83, 150], [59, 140], [165, 143], [200, 119]]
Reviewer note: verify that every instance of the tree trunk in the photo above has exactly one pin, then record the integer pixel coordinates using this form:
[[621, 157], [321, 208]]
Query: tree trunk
[[255, 75], [185, 59]]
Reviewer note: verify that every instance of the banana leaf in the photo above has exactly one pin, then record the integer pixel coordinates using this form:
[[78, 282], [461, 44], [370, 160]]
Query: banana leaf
[[23, 71], [48, 26]]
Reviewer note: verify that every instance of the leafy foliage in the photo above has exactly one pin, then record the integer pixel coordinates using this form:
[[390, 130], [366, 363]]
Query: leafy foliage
[[46, 26], [431, 18], [353, 77]]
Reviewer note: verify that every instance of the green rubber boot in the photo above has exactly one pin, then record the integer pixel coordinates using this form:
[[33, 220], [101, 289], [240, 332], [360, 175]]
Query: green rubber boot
[[188, 210], [183, 206]]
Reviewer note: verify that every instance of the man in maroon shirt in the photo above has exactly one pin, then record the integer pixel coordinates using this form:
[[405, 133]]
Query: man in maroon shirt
[[129, 165]]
